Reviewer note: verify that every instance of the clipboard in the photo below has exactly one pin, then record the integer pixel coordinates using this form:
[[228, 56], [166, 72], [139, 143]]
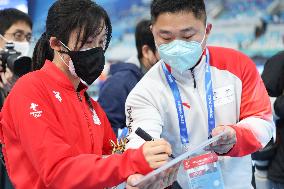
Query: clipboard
[[174, 164]]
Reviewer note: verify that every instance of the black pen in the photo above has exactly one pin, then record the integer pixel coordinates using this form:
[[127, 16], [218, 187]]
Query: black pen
[[145, 136]]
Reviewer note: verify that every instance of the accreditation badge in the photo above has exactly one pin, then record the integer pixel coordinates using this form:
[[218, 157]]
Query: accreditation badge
[[204, 172]]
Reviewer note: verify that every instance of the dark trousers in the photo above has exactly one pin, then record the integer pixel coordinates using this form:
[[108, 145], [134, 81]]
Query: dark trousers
[[4, 179], [174, 186], [5, 182], [277, 185]]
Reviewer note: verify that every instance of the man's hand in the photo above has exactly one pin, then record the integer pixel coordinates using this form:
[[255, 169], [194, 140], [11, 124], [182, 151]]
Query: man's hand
[[8, 79], [162, 180], [131, 180], [226, 142]]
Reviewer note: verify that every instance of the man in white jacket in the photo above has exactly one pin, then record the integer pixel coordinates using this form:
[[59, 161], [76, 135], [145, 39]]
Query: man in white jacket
[[196, 91]]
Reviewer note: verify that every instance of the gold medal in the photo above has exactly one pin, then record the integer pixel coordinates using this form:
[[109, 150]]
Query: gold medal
[[118, 147]]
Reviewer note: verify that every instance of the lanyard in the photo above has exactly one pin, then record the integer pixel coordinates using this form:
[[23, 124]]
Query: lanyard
[[209, 95], [179, 107], [123, 133]]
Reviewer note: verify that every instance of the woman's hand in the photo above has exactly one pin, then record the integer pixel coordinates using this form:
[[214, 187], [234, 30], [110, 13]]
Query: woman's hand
[[157, 152]]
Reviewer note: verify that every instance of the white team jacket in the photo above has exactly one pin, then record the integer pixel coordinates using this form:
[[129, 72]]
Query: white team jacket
[[240, 100]]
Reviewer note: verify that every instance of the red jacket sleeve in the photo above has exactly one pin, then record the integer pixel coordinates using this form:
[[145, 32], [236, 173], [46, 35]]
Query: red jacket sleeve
[[44, 143], [254, 130]]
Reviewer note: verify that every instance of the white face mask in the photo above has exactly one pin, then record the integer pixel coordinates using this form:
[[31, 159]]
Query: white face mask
[[182, 55], [70, 66], [22, 47]]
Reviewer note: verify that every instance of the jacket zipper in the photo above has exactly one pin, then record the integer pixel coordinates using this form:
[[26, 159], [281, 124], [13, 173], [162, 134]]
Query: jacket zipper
[[88, 121], [193, 76]]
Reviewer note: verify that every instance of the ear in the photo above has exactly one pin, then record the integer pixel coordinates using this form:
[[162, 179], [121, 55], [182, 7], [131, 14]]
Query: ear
[[209, 28], [151, 28], [2, 42], [145, 51], [55, 44]]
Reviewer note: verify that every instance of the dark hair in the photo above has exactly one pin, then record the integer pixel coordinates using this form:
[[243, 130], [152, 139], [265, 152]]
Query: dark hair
[[9, 17], [64, 16], [144, 36], [197, 7]]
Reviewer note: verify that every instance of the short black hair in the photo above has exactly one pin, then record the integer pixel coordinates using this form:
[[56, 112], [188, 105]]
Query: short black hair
[[10, 16], [144, 36], [197, 7]]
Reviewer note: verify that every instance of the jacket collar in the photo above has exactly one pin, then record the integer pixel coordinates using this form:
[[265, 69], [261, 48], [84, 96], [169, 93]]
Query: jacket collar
[[60, 78]]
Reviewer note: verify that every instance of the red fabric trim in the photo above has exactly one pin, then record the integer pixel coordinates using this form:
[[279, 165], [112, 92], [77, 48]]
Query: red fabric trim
[[246, 143], [169, 68], [186, 105]]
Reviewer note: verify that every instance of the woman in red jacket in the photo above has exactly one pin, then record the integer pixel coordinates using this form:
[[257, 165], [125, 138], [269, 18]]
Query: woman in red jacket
[[54, 135]]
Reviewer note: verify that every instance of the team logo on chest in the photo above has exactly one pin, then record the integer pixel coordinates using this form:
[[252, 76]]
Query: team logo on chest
[[57, 96], [34, 111]]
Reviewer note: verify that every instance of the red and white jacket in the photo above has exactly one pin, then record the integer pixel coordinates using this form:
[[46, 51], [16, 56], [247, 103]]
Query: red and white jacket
[[240, 100], [52, 139]]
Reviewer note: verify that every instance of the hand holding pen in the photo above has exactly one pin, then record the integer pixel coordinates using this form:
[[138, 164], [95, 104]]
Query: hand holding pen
[[145, 136]]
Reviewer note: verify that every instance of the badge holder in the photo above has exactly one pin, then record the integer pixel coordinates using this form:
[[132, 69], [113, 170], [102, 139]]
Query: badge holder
[[204, 171], [167, 174]]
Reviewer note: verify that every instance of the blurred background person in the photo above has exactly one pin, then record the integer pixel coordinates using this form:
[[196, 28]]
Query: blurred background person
[[273, 78], [123, 76], [16, 27]]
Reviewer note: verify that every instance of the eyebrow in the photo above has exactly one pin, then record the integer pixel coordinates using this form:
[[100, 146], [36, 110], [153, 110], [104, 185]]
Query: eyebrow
[[99, 36], [165, 32], [186, 30], [102, 33], [189, 29], [22, 31]]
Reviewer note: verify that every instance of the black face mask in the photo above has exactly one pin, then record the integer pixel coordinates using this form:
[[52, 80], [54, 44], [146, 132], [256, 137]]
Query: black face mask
[[88, 64]]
